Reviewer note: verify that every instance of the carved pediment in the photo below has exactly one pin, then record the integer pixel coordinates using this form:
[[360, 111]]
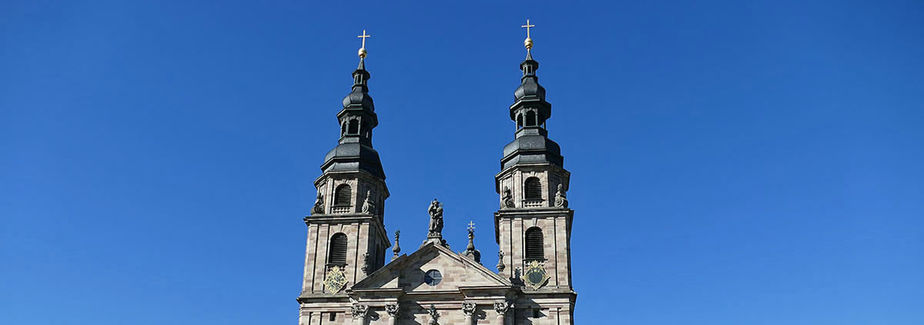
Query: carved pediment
[[432, 268]]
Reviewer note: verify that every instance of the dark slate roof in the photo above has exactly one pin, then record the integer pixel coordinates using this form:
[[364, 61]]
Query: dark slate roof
[[358, 98], [531, 145], [351, 157], [532, 149], [529, 87], [355, 153]]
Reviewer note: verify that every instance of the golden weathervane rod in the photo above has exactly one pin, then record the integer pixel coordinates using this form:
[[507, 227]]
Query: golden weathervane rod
[[362, 50]]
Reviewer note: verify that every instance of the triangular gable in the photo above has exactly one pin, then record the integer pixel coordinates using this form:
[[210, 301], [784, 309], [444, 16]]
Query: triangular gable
[[407, 272]]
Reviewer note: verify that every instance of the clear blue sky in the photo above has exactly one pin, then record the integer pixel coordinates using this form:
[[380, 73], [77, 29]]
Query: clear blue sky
[[733, 162]]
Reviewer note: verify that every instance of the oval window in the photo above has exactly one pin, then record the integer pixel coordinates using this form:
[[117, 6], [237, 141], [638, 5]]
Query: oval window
[[433, 277]]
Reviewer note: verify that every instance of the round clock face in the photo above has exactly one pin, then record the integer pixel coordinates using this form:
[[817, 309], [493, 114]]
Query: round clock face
[[433, 277]]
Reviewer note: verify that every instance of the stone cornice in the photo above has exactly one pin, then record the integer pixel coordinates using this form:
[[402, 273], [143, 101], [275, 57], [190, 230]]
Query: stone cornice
[[323, 297]]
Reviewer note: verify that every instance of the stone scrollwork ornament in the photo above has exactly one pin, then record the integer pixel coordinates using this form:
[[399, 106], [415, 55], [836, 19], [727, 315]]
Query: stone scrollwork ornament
[[468, 308], [392, 310], [535, 274], [502, 307], [334, 280], [561, 200], [359, 311]]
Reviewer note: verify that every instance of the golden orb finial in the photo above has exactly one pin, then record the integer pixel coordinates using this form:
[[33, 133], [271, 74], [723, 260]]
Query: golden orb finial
[[528, 42], [362, 50]]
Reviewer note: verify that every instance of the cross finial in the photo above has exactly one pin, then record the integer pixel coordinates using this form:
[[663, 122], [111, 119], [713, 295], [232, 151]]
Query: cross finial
[[471, 226], [529, 41], [527, 26], [362, 50]]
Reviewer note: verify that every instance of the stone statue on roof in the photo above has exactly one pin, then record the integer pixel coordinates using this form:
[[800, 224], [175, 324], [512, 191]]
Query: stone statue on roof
[[436, 219]]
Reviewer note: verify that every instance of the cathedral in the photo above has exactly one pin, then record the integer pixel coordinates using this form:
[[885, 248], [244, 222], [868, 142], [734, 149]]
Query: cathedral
[[346, 277]]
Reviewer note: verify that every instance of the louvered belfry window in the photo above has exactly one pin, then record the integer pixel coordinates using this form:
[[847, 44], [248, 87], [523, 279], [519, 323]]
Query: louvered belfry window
[[534, 244], [336, 254], [342, 195], [533, 189]]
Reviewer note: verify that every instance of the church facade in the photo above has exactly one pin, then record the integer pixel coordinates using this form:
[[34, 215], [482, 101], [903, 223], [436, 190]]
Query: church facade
[[347, 279]]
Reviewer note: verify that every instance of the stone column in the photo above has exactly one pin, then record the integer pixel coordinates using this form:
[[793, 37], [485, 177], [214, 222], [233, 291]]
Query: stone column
[[501, 308], [469, 309], [392, 310], [359, 313]]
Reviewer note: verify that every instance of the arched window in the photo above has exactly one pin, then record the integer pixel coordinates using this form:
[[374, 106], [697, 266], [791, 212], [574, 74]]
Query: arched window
[[533, 189], [519, 121], [354, 127], [534, 244], [342, 195], [531, 118], [337, 251]]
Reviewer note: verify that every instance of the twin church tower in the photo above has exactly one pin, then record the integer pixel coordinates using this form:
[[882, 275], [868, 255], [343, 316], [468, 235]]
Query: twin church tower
[[347, 279]]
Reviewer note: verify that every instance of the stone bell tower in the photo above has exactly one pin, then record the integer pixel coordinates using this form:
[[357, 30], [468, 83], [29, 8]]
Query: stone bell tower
[[533, 224], [346, 235]]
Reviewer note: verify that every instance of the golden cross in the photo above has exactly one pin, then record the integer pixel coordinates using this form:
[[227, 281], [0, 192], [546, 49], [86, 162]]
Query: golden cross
[[527, 26], [362, 50], [364, 36], [471, 225]]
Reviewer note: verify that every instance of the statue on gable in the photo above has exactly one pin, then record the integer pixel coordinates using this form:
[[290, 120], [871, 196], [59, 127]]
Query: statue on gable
[[435, 231], [436, 219]]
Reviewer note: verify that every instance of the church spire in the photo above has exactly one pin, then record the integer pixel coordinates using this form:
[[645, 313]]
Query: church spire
[[530, 111], [533, 225], [357, 119], [346, 229], [360, 76], [530, 91]]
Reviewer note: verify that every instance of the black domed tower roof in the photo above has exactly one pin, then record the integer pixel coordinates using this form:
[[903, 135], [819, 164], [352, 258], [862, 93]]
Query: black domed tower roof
[[530, 88], [530, 110], [357, 119]]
